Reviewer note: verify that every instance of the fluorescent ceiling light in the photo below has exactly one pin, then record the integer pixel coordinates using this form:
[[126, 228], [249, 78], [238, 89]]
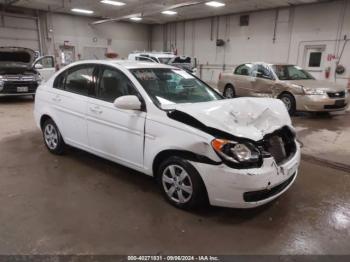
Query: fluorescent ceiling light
[[215, 4], [110, 2], [135, 18], [169, 12], [84, 11]]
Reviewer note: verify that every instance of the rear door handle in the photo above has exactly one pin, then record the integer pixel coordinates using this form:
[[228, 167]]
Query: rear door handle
[[57, 98], [96, 110]]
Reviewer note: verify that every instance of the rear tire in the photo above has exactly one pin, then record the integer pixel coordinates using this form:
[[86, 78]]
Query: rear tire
[[289, 101], [53, 138], [229, 92], [181, 184]]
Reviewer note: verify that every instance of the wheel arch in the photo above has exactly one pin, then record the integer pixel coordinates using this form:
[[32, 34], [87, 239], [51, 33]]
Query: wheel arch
[[285, 92], [229, 85], [44, 118], [295, 101], [186, 155]]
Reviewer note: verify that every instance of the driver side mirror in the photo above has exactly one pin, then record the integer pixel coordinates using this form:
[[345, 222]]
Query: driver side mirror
[[128, 103], [38, 66]]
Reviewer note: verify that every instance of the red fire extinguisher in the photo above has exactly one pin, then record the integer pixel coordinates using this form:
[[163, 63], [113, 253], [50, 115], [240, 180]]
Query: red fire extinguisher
[[327, 72]]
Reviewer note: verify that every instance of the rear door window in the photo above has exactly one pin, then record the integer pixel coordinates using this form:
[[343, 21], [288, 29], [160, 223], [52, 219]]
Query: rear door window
[[81, 80], [244, 70], [262, 71]]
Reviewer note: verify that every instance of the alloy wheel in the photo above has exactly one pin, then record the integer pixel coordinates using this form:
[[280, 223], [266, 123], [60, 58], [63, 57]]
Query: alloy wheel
[[177, 184], [51, 136], [287, 102], [229, 93]]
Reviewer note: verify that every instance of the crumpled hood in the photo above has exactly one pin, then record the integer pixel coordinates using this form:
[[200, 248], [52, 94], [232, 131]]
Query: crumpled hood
[[16, 58], [320, 84], [250, 118]]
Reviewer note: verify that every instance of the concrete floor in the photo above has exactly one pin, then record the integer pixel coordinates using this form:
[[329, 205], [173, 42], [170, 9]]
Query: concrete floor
[[79, 203]]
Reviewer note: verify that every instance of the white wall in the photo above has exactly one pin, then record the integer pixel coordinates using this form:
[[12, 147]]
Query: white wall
[[58, 28], [296, 28]]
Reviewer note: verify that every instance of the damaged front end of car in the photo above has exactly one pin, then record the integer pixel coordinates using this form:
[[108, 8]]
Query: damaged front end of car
[[243, 153], [256, 143]]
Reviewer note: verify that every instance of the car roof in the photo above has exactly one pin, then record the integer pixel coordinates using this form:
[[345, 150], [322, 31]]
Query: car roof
[[127, 64], [267, 63], [156, 54]]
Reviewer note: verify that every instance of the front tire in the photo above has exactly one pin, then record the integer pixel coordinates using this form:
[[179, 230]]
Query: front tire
[[53, 138], [229, 92], [181, 184], [289, 101]]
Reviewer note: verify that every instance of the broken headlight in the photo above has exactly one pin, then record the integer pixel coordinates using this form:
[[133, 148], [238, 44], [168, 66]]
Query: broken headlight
[[241, 155]]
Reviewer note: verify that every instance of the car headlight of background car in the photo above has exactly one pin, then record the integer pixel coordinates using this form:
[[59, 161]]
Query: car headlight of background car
[[236, 154], [312, 91]]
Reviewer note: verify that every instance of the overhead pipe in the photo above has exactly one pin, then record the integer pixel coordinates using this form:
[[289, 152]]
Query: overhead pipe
[[275, 27]]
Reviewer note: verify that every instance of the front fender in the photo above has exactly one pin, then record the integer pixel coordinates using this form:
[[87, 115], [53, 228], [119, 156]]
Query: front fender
[[183, 139]]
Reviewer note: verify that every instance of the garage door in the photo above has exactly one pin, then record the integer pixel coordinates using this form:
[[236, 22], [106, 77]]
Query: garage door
[[19, 31]]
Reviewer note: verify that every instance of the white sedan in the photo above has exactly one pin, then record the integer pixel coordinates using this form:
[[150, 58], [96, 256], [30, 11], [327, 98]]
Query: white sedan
[[166, 123]]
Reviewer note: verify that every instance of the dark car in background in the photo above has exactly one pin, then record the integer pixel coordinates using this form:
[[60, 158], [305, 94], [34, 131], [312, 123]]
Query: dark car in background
[[17, 73]]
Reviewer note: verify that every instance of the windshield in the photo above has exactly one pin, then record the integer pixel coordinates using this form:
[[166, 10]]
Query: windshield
[[291, 72], [164, 60], [174, 86]]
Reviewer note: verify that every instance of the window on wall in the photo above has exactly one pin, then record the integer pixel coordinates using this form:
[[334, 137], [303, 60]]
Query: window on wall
[[314, 57], [244, 20]]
